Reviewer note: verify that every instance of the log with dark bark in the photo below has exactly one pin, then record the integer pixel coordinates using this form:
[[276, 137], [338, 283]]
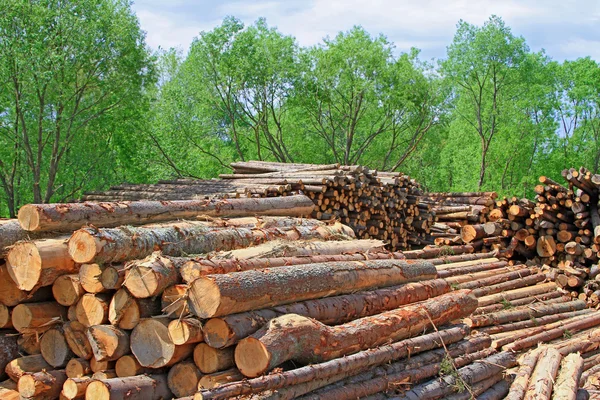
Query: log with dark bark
[[292, 337], [69, 217], [218, 295]]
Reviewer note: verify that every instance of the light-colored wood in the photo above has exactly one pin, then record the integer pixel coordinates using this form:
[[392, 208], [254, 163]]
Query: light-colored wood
[[29, 343], [219, 378], [8, 390], [113, 276], [78, 367], [76, 336], [174, 301], [37, 317], [98, 366], [90, 277], [44, 385], [544, 375], [128, 365], [210, 360], [186, 330], [92, 309], [142, 387], [74, 388], [567, 381], [26, 365], [151, 345], [125, 311], [39, 263], [67, 290], [108, 342], [183, 379]]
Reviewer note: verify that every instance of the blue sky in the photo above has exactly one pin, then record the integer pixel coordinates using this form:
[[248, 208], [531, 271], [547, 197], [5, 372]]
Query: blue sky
[[566, 29]]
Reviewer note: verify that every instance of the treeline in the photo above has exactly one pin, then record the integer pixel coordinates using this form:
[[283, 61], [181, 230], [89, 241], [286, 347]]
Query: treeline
[[85, 104]]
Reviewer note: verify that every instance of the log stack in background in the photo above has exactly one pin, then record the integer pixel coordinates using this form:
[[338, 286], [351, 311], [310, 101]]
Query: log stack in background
[[240, 295]]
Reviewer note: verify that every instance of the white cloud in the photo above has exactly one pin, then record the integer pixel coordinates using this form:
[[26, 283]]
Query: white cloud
[[560, 26]]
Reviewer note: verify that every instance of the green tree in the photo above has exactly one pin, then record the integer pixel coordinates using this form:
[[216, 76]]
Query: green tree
[[72, 78]]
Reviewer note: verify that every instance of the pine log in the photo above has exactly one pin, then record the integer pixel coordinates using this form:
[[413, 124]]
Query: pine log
[[8, 390], [218, 295], [37, 317], [76, 337], [106, 374], [589, 321], [476, 389], [77, 368], [533, 322], [517, 294], [567, 381], [151, 276], [546, 246], [11, 233], [470, 233], [151, 345], [44, 385], [527, 364], [497, 278], [126, 311], [476, 372], [187, 330], [174, 302], [54, 348], [39, 263], [228, 330], [90, 277], [546, 298], [219, 378], [11, 295], [72, 216], [20, 366], [99, 366], [349, 365], [544, 375], [210, 360], [510, 285], [67, 290], [108, 342], [292, 337], [92, 309], [183, 379], [128, 365], [113, 276], [74, 388], [89, 245], [29, 343], [142, 387], [497, 392]]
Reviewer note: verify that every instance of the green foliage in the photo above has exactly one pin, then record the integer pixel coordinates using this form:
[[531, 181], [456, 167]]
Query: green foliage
[[84, 104]]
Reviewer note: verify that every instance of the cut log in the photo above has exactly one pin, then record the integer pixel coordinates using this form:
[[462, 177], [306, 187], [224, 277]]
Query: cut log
[[527, 364], [544, 375], [497, 278], [567, 381], [546, 246], [67, 290], [11, 295], [470, 233], [98, 366], [220, 378], [102, 375], [292, 337], [18, 367], [151, 276], [142, 387], [72, 216], [44, 385], [183, 379], [77, 368], [90, 277], [510, 285], [29, 343], [210, 360], [92, 309], [539, 321], [350, 365], [503, 317], [108, 342], [185, 331], [126, 311], [37, 317], [89, 245], [39, 263], [54, 348], [517, 294], [476, 372], [228, 330], [174, 302], [74, 388], [577, 324], [76, 336], [151, 345], [218, 295], [8, 390], [129, 366], [113, 276]]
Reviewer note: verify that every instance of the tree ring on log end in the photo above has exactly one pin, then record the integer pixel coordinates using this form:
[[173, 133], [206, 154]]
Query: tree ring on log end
[[217, 333], [251, 357]]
